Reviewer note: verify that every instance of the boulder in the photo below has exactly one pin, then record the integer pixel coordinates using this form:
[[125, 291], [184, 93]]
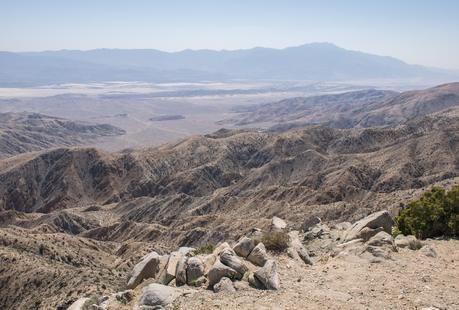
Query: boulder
[[180, 271], [258, 256], [410, 242], [184, 250], [218, 271], [229, 258], [267, 276], [220, 248], [244, 247], [254, 282], [278, 224], [148, 267], [296, 248], [224, 285], [170, 270], [380, 247], [367, 233], [162, 276], [380, 239], [429, 251], [78, 304], [155, 295], [373, 221], [208, 261], [194, 270]]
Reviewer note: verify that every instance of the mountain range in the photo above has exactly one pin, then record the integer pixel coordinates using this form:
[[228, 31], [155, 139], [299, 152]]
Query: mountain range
[[315, 61], [365, 108], [27, 132], [75, 220]]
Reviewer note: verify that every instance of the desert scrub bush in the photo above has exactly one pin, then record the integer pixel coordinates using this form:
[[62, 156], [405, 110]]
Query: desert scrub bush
[[275, 241], [395, 231], [204, 249], [435, 214]]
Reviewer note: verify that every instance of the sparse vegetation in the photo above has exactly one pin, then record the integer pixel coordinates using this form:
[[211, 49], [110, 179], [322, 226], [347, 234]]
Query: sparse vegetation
[[276, 241], [395, 231], [435, 214], [204, 249]]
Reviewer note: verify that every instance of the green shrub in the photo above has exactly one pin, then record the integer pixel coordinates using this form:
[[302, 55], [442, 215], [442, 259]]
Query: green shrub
[[436, 213], [204, 249], [395, 231], [276, 241]]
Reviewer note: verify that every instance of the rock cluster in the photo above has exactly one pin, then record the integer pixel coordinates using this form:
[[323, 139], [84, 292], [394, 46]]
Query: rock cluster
[[228, 269]]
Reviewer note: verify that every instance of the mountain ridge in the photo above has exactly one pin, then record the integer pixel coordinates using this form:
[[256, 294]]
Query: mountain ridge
[[364, 108], [313, 61]]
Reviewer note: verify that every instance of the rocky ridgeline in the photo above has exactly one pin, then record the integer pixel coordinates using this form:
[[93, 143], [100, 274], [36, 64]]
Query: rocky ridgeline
[[157, 280]]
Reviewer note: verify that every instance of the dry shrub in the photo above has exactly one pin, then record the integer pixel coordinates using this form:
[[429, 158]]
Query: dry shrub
[[276, 241]]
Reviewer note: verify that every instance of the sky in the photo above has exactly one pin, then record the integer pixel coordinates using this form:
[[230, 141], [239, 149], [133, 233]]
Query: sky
[[422, 32]]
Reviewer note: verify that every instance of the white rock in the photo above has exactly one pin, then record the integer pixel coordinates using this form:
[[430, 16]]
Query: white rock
[[373, 221], [224, 285], [258, 256], [148, 267], [297, 249], [380, 239], [158, 295], [229, 258], [410, 242], [244, 247], [194, 270], [220, 248], [267, 275], [180, 271], [78, 304], [170, 270], [219, 271], [278, 223], [429, 251]]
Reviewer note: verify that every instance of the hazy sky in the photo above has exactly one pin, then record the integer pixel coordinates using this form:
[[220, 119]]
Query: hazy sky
[[417, 31]]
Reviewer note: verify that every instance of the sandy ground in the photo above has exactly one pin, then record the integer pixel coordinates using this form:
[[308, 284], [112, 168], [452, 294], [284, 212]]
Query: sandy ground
[[410, 280]]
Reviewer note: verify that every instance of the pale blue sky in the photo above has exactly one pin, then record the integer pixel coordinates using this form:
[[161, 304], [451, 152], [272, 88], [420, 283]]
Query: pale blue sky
[[417, 31]]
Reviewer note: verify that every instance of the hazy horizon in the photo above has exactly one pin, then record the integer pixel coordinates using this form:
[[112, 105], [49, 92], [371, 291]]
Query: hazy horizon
[[413, 31]]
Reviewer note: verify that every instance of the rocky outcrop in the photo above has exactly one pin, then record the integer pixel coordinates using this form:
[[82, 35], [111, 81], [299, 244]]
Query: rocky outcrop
[[180, 271], [376, 221], [244, 247], [297, 250], [170, 270], [410, 242], [266, 277], [194, 271], [258, 256], [229, 258], [148, 267], [225, 285], [218, 271]]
